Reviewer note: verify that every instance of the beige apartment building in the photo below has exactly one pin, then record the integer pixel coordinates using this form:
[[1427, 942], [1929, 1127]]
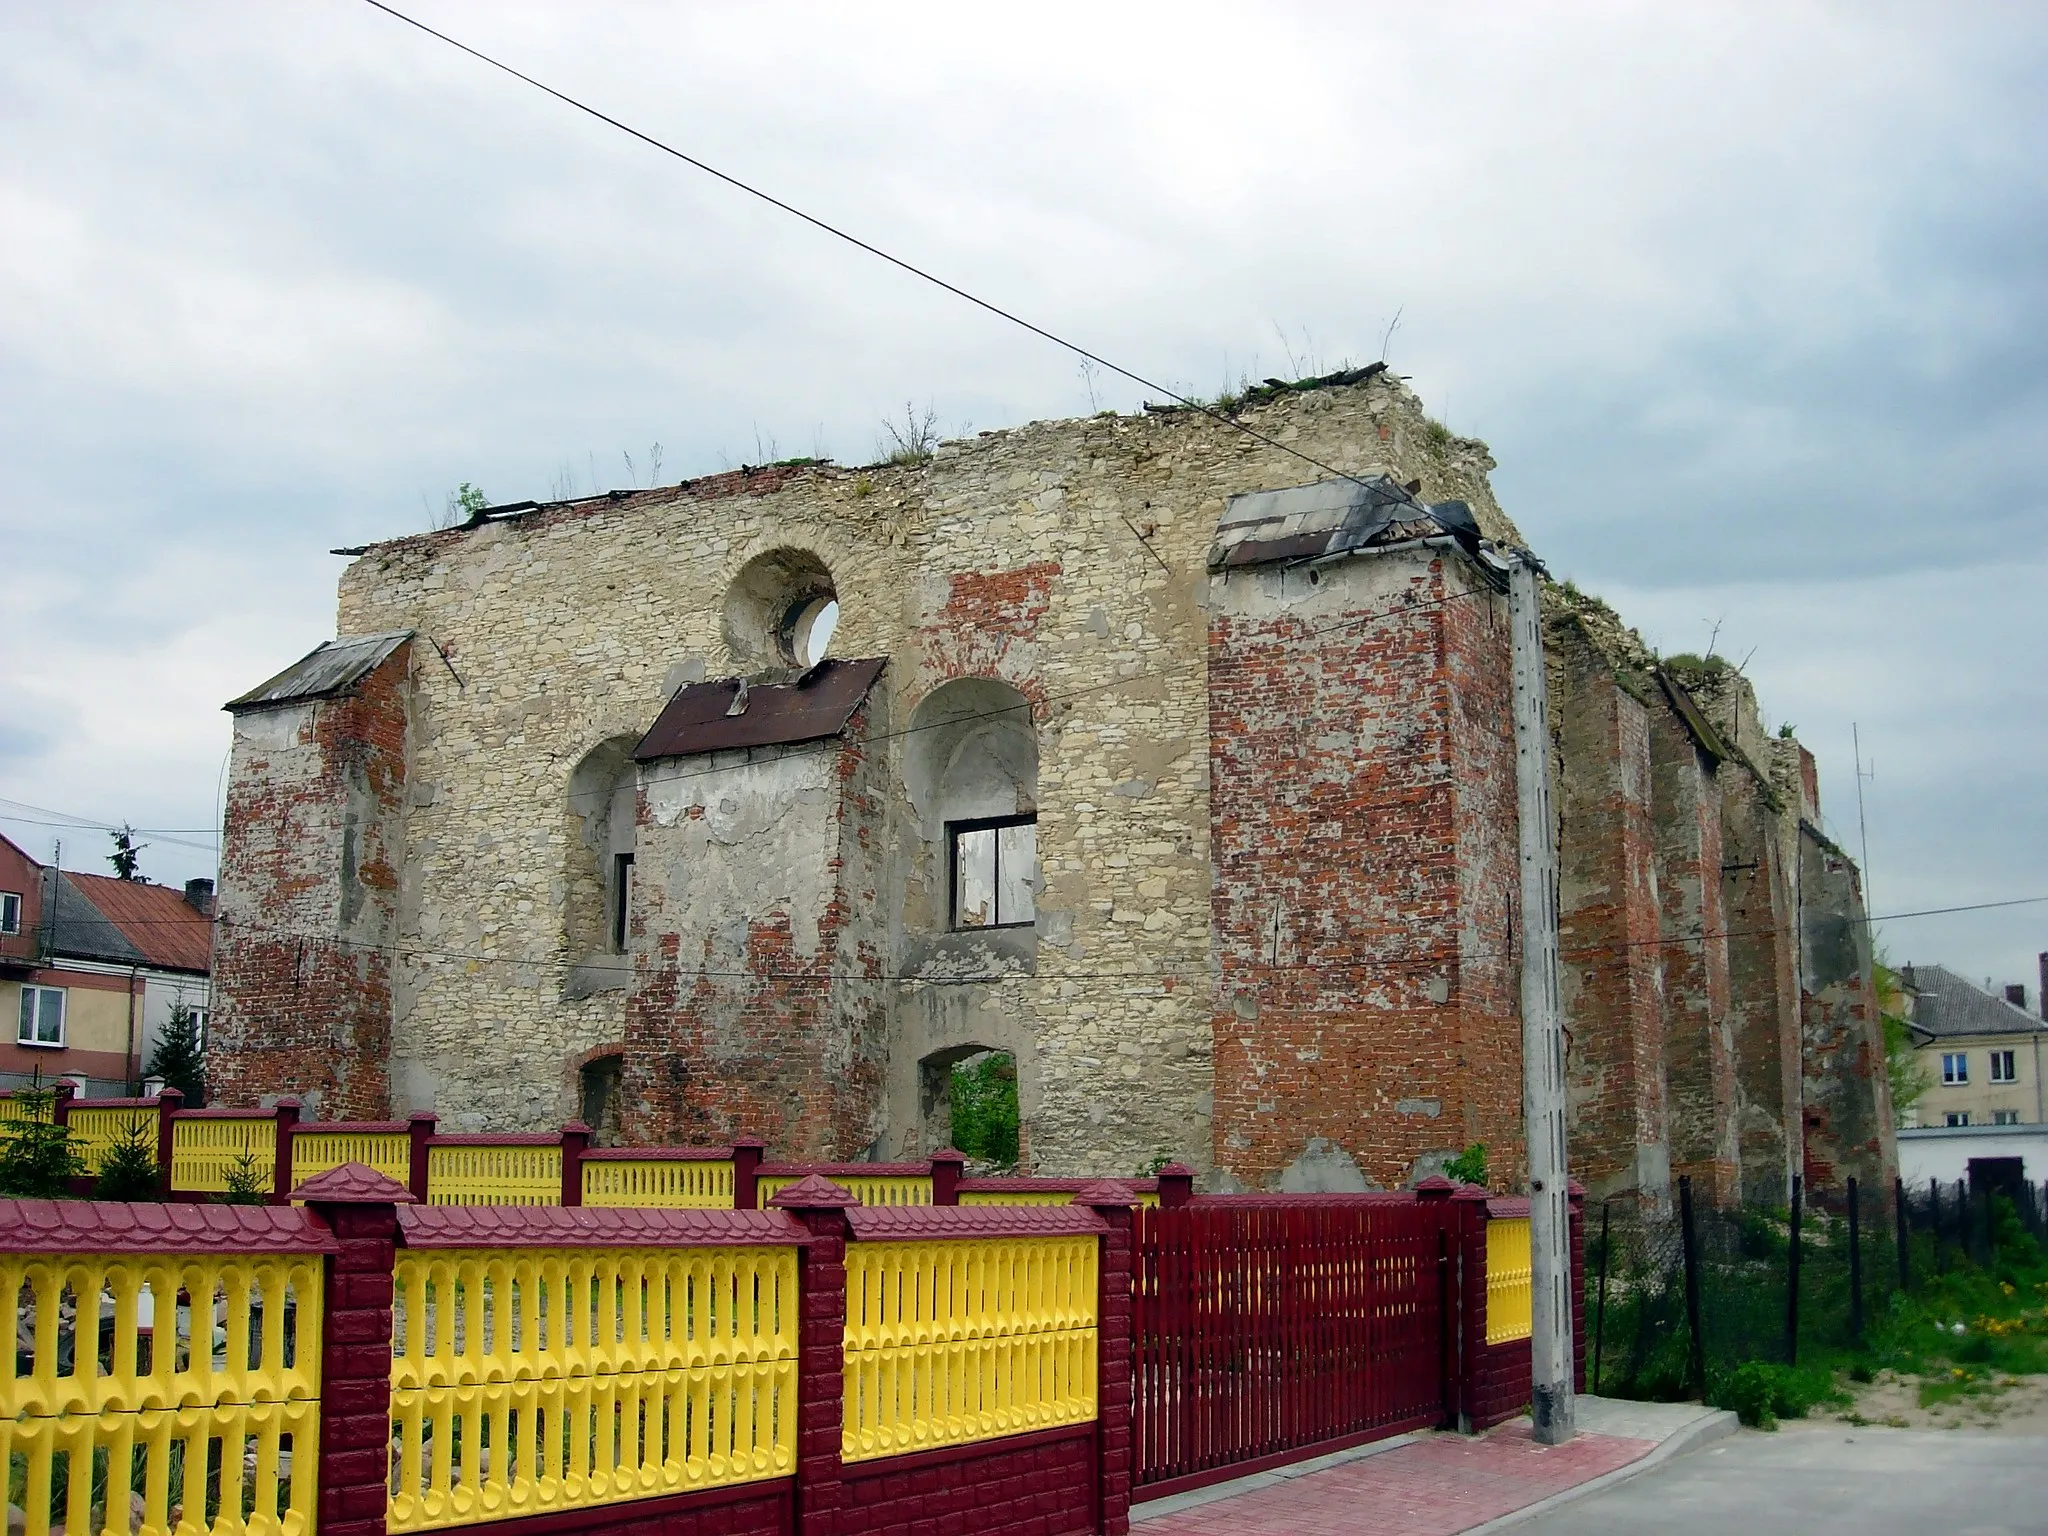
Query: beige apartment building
[[1982, 1053]]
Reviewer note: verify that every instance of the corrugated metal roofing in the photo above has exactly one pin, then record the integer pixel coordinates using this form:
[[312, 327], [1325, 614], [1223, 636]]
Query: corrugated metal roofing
[[1331, 517], [123, 922], [701, 718], [329, 668]]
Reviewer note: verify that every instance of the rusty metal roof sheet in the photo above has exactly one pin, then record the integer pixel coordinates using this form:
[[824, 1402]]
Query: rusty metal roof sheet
[[1331, 517], [329, 668], [702, 716]]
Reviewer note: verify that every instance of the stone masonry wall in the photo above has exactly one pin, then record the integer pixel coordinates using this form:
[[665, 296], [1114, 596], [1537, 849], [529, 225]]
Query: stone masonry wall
[[310, 874], [569, 626]]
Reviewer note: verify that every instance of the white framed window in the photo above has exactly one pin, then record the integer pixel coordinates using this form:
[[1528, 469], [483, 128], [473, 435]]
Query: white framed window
[[2003, 1067], [42, 1016], [1955, 1068], [2005, 1117], [1956, 1117], [995, 872], [10, 911]]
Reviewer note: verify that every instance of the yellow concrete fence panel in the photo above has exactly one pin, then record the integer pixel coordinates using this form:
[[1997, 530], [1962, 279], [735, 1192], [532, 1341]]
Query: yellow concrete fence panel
[[875, 1189], [1036, 1197], [953, 1341], [316, 1152], [1509, 1296], [94, 1131], [206, 1148], [162, 1393], [531, 1380], [659, 1183], [467, 1175]]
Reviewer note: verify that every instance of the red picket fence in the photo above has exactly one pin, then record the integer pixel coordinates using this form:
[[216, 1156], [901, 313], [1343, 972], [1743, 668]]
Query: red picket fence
[[1265, 1329]]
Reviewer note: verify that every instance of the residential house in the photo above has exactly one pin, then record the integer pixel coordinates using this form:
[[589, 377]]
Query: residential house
[[90, 970], [1982, 1053]]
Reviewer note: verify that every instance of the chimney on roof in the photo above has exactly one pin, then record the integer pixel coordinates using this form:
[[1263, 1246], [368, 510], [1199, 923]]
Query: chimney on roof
[[2016, 994], [199, 896]]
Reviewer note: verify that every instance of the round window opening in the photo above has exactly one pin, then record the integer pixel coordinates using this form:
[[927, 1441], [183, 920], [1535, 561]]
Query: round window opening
[[807, 629]]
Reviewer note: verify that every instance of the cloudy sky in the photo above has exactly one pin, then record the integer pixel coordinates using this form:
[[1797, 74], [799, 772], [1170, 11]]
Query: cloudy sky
[[1751, 303]]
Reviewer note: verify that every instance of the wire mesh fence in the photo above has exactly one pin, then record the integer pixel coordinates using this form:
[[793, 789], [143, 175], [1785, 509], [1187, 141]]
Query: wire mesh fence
[[1681, 1297]]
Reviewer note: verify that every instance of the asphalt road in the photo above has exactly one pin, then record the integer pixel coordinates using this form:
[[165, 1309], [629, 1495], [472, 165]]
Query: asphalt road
[[1869, 1482]]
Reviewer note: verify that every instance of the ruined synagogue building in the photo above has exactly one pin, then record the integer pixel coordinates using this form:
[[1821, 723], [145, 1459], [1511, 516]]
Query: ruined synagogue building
[[1143, 751]]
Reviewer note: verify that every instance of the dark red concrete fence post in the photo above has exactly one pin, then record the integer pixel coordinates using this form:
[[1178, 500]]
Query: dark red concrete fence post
[[1577, 1195], [1176, 1186], [420, 1126], [947, 1166], [287, 1115], [168, 1102], [575, 1142], [360, 1206], [746, 1162], [1114, 1450], [1469, 1219], [61, 1095], [821, 1349]]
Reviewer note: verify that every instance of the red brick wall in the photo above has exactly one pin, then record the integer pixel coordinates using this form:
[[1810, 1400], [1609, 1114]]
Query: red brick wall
[[1762, 988], [311, 849], [1028, 1485], [1699, 1057], [1336, 903], [1608, 926]]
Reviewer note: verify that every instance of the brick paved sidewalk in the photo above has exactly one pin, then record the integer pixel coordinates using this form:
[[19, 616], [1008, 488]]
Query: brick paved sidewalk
[[1433, 1486]]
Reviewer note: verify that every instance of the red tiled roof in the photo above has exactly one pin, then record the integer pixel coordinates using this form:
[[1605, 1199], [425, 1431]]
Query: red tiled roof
[[156, 919]]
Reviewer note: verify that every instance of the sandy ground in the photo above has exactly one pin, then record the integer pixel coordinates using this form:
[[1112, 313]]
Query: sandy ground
[[2003, 1405]]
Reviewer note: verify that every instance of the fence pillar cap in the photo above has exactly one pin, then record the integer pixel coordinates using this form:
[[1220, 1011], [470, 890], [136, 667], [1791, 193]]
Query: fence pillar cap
[[1176, 1170], [423, 1114], [754, 1143], [353, 1184], [949, 1155], [1102, 1193], [1435, 1187], [1476, 1192], [170, 1098], [813, 1192]]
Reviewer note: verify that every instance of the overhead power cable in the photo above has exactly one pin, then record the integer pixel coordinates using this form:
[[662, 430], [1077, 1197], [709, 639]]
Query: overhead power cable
[[859, 244]]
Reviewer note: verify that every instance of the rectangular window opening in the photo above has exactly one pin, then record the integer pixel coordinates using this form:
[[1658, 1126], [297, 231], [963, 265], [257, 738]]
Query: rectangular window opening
[[995, 872], [42, 1016], [10, 912], [2004, 1067], [2005, 1117], [1957, 1117], [622, 900], [1955, 1067]]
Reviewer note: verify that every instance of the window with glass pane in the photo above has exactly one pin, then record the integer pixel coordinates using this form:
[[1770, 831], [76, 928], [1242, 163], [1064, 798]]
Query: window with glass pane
[[1955, 1067], [10, 912], [995, 872], [42, 1016], [2003, 1067]]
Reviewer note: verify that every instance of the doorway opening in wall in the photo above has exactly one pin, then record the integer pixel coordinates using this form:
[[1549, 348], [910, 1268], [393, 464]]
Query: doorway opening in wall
[[598, 1100], [968, 1097], [995, 872]]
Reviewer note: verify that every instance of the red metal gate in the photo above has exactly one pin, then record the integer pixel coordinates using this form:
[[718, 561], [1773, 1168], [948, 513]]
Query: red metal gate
[[1266, 1330]]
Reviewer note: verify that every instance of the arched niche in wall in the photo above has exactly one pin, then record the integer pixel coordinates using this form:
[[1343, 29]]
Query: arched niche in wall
[[598, 883], [971, 772]]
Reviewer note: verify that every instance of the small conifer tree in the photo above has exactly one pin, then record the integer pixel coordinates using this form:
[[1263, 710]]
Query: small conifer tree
[[180, 1057], [245, 1183], [128, 1166], [38, 1159]]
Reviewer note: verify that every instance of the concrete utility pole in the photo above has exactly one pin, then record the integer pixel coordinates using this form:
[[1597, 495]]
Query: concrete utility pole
[[1551, 1406]]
